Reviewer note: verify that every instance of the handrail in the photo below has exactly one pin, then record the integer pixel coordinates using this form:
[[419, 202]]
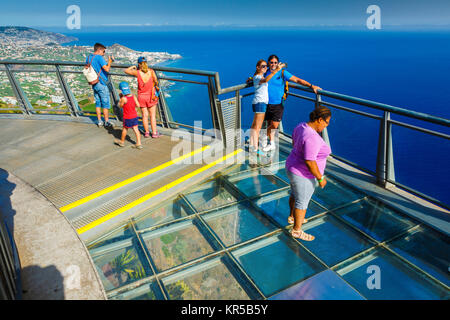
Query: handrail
[[364, 102], [113, 65]]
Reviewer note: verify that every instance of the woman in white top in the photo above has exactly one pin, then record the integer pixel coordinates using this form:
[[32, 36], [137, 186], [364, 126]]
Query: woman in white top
[[260, 101]]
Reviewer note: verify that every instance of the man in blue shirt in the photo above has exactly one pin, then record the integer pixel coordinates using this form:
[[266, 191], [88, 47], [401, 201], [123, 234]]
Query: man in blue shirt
[[101, 91], [275, 108]]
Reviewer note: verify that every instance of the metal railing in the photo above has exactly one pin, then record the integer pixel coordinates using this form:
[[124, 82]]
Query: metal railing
[[223, 119], [10, 284], [12, 67], [385, 170]]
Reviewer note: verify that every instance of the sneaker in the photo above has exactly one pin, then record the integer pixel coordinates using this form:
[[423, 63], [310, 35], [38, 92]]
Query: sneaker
[[100, 123], [252, 149], [269, 147], [147, 134], [108, 124], [264, 142]]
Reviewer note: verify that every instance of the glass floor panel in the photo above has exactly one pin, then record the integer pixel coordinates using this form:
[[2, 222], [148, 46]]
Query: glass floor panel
[[181, 238], [335, 194], [375, 219], [326, 285], [277, 206], [394, 279], [426, 249], [256, 182], [120, 263], [176, 244], [208, 280], [173, 210], [279, 170], [144, 292], [276, 263], [238, 223], [210, 195], [334, 241]]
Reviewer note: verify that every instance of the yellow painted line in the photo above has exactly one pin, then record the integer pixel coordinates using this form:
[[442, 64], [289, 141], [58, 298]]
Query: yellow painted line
[[152, 194], [130, 180]]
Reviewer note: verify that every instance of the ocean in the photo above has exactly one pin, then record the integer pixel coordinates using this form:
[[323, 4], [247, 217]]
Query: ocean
[[406, 69]]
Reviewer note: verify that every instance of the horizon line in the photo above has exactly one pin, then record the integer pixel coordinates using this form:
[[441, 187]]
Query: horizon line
[[232, 25]]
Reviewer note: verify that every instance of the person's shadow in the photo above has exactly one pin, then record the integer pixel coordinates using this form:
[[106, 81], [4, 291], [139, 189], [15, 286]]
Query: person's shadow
[[45, 283], [6, 211], [117, 133], [32, 282]]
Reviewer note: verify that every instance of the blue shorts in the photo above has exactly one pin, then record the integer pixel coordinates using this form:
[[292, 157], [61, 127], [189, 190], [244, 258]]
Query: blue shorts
[[302, 189], [259, 107], [101, 94], [130, 123]]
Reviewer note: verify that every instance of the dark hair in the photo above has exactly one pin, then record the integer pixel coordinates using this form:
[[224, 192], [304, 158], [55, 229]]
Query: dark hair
[[273, 56], [258, 64], [320, 112], [98, 46]]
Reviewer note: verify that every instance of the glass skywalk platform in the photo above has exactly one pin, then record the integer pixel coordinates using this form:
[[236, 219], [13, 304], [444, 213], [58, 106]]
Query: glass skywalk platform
[[377, 235], [229, 239]]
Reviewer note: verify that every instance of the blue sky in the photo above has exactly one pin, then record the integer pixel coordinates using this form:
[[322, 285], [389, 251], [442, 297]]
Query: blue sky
[[52, 13]]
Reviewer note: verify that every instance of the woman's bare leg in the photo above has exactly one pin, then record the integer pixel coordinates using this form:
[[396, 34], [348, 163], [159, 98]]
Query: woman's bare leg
[[258, 120], [145, 118], [299, 215], [153, 119]]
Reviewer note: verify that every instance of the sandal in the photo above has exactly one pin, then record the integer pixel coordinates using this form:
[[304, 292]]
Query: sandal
[[291, 220], [300, 234], [119, 143], [137, 146]]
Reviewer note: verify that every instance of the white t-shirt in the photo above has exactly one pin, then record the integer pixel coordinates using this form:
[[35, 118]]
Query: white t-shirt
[[261, 91]]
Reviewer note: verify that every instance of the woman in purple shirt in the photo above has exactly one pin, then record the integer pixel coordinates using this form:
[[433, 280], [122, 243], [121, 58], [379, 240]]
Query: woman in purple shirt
[[306, 164]]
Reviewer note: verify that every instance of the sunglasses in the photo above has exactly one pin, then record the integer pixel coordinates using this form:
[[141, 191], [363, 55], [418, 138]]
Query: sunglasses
[[273, 62], [263, 66]]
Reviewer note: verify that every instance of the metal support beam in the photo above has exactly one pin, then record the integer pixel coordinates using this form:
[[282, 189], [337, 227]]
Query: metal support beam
[[385, 158], [216, 114], [114, 98], [18, 92], [325, 131], [71, 102], [164, 112]]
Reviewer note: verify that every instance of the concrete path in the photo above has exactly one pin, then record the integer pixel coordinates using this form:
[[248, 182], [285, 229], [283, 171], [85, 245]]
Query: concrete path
[[55, 264]]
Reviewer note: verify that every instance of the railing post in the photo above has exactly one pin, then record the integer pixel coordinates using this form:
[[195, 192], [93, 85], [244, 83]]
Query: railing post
[[238, 127], [164, 112], [325, 131], [18, 92], [390, 171], [385, 158], [217, 118], [71, 102], [114, 97]]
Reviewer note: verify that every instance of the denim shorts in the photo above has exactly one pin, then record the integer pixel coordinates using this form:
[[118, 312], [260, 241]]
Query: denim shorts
[[101, 94], [259, 107], [302, 189]]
